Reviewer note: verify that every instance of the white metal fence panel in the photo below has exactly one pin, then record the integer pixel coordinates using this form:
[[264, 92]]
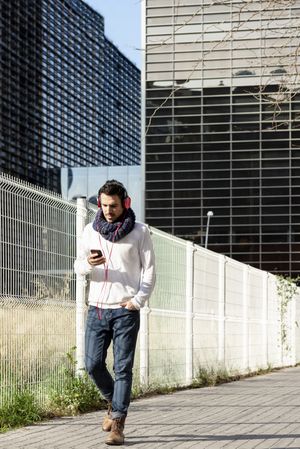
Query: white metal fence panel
[[287, 330], [166, 343], [273, 331], [170, 256], [206, 309], [297, 328], [257, 327], [206, 282], [236, 315], [167, 348], [37, 307]]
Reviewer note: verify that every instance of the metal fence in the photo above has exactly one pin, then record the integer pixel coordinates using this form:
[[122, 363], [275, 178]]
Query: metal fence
[[207, 311], [37, 287], [211, 312]]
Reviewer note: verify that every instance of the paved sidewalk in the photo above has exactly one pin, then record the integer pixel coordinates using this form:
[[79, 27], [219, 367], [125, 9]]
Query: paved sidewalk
[[257, 413]]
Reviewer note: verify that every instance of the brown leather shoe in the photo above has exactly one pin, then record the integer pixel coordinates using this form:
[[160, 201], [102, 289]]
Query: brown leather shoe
[[107, 420], [116, 435]]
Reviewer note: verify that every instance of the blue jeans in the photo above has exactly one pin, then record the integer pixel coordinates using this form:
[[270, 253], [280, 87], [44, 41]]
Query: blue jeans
[[120, 326]]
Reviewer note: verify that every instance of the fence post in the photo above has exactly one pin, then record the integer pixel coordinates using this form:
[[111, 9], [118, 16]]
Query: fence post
[[265, 320], [189, 296], [144, 346], [80, 289], [221, 310], [293, 320], [245, 278]]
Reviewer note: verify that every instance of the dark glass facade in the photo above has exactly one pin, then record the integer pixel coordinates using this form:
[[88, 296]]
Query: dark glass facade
[[121, 106], [222, 126], [61, 103]]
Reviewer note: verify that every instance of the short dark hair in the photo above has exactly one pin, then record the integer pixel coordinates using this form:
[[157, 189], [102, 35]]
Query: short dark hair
[[113, 187]]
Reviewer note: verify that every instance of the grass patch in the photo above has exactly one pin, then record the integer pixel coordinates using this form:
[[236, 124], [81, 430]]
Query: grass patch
[[142, 391], [209, 376], [79, 394], [20, 411]]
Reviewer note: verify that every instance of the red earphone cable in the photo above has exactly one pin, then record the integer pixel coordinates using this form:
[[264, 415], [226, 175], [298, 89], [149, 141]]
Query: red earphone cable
[[106, 270]]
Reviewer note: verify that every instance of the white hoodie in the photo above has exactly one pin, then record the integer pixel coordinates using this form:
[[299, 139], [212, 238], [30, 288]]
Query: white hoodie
[[129, 272]]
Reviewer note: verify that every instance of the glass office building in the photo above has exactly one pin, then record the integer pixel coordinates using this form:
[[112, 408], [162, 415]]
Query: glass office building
[[122, 105], [80, 182], [222, 125], [61, 102]]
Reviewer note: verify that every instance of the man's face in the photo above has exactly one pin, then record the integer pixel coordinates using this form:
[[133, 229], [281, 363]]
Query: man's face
[[111, 206]]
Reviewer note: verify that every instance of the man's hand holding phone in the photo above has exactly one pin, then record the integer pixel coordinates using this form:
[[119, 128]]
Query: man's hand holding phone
[[96, 257]]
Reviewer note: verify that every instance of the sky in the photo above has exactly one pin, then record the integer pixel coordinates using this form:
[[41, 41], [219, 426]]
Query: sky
[[122, 25]]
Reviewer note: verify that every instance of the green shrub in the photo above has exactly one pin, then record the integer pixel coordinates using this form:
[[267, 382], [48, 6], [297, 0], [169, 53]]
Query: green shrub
[[20, 411], [77, 395]]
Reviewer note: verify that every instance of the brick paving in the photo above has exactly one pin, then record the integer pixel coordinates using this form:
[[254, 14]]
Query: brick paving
[[256, 413]]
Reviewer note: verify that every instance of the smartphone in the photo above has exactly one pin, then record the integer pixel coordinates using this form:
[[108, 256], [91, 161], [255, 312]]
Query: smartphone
[[96, 252]]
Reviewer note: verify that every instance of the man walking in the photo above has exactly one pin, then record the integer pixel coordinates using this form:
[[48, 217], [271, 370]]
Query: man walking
[[117, 253]]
